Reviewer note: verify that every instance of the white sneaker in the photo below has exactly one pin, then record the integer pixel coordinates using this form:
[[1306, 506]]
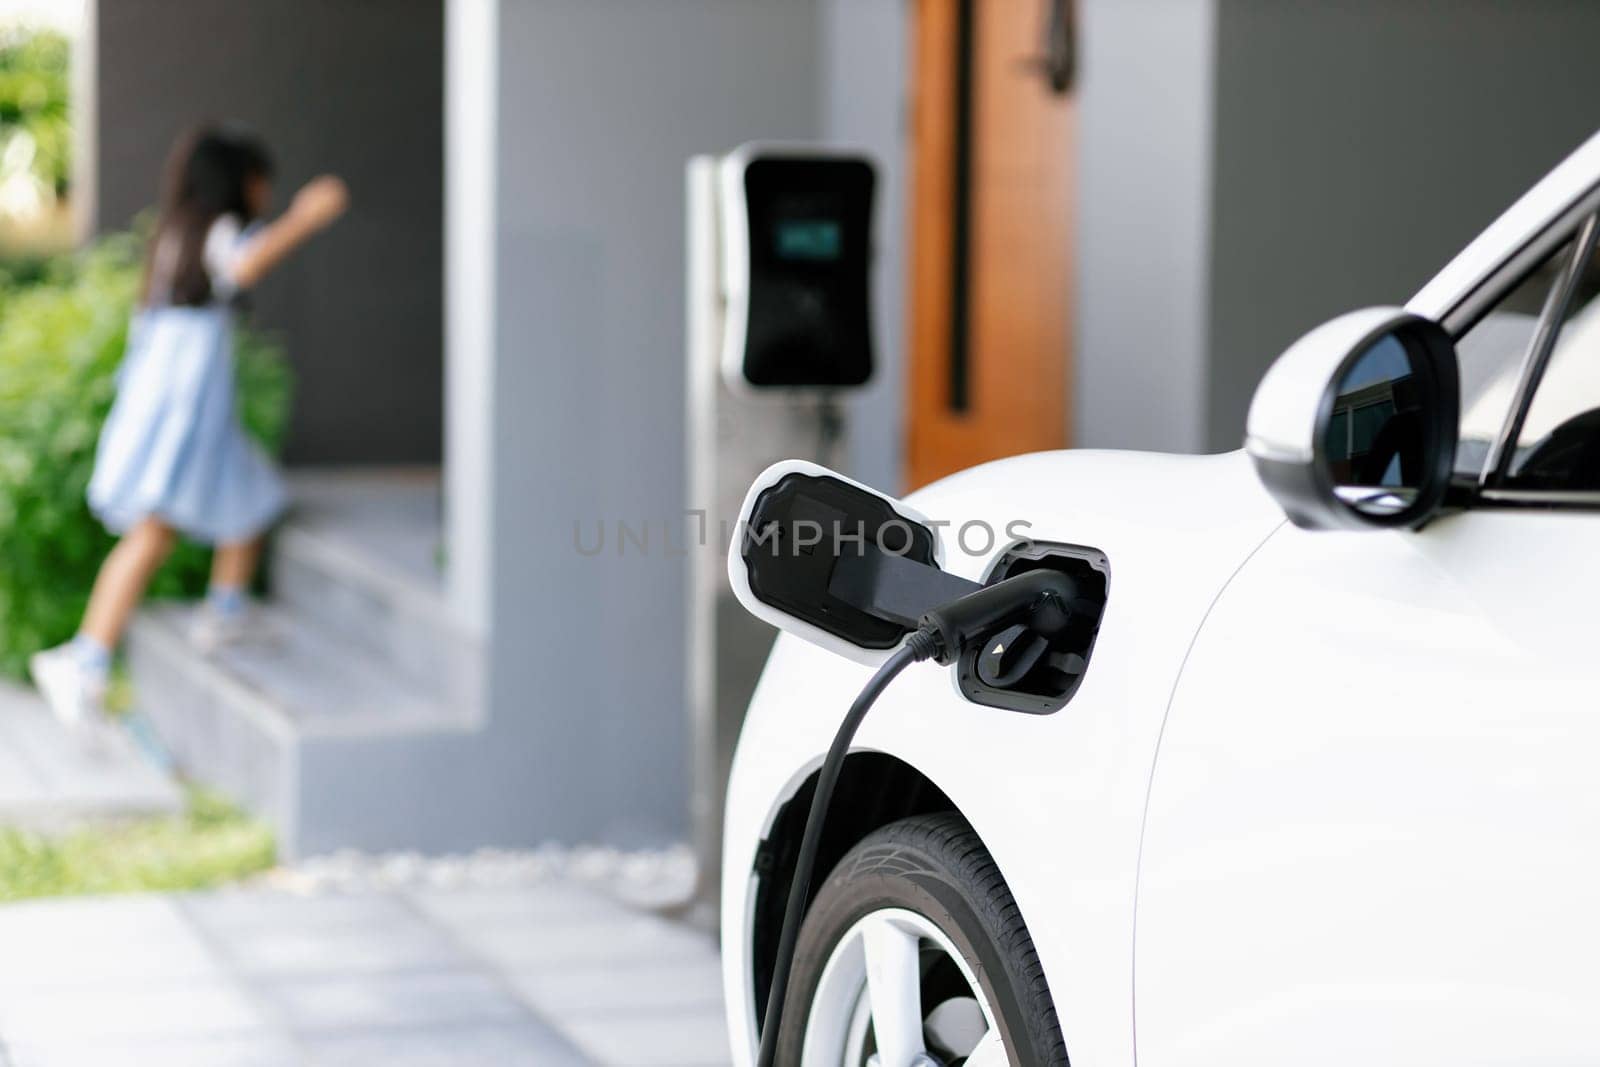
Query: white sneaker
[[76, 696], [211, 630]]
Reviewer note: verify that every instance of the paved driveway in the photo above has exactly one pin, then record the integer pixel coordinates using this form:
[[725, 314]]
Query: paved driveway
[[552, 974]]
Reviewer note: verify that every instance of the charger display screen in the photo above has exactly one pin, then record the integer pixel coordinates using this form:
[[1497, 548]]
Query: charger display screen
[[809, 240], [807, 320]]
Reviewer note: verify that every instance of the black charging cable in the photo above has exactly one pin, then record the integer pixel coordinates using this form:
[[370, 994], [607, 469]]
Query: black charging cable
[[922, 645], [1041, 599]]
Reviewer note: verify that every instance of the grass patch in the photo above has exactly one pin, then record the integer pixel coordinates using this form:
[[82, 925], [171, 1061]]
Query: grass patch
[[212, 842]]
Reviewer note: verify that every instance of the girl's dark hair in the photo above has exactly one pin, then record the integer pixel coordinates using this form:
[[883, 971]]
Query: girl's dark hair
[[206, 178]]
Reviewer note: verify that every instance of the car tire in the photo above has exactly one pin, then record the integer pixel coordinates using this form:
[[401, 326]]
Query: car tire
[[930, 868]]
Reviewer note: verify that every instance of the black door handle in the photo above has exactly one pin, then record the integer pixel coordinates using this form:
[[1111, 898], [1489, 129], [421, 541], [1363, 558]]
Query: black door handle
[[1058, 61]]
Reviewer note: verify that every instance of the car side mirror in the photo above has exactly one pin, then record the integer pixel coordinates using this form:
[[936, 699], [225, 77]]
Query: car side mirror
[[843, 566], [1354, 427]]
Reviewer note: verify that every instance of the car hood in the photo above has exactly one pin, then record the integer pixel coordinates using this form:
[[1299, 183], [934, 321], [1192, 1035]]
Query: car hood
[[1121, 502]]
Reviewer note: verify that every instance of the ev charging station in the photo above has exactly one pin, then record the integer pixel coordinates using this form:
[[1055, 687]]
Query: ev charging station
[[779, 256]]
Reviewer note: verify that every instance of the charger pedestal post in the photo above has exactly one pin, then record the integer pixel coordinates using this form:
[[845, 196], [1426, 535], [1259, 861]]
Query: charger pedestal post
[[733, 435]]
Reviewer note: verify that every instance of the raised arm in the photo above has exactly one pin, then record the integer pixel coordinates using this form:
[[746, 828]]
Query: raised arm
[[315, 207]]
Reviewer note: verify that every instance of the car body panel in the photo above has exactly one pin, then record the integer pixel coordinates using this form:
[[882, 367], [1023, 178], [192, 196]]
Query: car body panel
[[1376, 801], [1058, 798]]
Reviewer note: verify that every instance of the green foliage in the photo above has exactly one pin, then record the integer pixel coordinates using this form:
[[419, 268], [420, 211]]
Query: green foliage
[[211, 843], [33, 100], [61, 340], [18, 270]]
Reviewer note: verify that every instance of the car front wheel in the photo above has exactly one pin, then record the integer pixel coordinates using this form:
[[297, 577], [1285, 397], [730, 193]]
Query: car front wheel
[[914, 953]]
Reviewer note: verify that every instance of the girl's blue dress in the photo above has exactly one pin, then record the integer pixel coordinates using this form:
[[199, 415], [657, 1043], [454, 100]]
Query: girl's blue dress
[[172, 446]]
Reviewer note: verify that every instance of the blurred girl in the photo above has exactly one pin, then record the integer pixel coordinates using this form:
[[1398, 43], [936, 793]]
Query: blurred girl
[[172, 457]]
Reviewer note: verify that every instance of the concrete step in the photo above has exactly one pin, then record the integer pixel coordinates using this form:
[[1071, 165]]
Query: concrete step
[[52, 777], [354, 558], [306, 731]]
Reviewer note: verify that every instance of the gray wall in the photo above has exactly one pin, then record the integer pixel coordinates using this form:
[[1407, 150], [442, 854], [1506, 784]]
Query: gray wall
[[601, 104], [1360, 145], [863, 78], [1144, 162], [349, 86], [1250, 168]]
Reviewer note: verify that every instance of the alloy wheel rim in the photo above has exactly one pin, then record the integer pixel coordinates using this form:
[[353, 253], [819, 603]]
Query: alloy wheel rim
[[895, 992]]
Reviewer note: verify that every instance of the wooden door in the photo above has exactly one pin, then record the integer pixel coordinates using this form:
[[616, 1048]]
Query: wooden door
[[997, 283]]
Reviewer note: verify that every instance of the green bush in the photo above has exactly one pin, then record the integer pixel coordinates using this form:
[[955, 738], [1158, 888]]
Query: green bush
[[61, 340], [34, 84]]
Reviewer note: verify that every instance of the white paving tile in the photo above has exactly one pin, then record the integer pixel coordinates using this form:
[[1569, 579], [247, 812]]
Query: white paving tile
[[673, 1039], [109, 1013], [233, 1051], [365, 948], [623, 939], [555, 975], [617, 991], [321, 1004], [526, 1044], [478, 908], [50, 944], [229, 912]]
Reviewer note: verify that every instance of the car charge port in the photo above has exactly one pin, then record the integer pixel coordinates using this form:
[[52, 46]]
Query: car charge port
[[1026, 672]]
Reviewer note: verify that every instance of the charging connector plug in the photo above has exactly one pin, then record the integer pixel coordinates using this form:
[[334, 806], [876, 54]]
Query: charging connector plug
[[1036, 601]]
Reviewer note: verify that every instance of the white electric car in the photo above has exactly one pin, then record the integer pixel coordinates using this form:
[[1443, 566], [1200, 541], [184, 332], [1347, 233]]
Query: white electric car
[[1316, 780]]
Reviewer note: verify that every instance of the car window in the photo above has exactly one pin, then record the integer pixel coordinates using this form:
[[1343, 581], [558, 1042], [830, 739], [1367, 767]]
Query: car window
[[1491, 356], [1558, 447]]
